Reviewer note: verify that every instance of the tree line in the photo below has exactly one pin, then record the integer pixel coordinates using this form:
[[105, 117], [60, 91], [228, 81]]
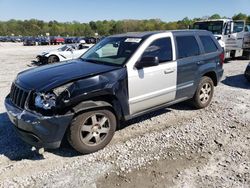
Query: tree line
[[35, 27]]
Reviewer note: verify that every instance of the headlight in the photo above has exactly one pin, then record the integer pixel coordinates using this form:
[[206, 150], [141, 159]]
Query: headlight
[[58, 91], [45, 101]]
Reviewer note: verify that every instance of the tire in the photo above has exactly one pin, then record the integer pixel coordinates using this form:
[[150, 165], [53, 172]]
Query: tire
[[53, 59], [92, 131], [248, 56], [247, 77], [204, 93]]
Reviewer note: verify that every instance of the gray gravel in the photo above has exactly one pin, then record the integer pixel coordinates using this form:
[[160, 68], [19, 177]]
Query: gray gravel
[[174, 147]]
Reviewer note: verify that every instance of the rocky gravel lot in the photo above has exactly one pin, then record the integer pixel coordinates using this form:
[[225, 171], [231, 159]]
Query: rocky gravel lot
[[173, 147]]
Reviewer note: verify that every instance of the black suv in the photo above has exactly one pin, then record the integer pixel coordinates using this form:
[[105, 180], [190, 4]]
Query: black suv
[[121, 77]]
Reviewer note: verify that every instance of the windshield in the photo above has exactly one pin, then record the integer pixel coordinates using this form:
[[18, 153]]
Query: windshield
[[64, 48], [112, 50], [214, 27]]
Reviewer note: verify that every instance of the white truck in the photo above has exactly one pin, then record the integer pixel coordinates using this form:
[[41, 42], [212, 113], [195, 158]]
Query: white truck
[[233, 36]]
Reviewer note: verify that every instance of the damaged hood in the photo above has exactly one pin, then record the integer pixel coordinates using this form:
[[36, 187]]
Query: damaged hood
[[47, 77]]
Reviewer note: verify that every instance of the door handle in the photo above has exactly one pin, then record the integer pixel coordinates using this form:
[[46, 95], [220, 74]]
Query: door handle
[[200, 62], [170, 70]]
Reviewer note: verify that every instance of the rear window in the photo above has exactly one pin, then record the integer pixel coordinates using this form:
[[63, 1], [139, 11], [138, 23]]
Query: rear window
[[187, 46], [208, 43]]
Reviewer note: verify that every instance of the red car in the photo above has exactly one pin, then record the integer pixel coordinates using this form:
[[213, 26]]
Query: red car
[[57, 40]]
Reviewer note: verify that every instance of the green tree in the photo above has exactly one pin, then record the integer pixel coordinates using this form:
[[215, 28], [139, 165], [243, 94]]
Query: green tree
[[38, 27], [215, 16], [240, 16]]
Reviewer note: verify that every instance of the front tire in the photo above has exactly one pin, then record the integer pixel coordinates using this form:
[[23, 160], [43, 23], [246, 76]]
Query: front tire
[[92, 131], [204, 93], [53, 59]]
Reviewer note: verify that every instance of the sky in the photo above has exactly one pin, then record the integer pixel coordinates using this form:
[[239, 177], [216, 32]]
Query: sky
[[93, 10]]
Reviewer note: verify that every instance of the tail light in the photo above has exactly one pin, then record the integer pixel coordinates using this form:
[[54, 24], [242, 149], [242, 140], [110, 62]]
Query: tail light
[[222, 58]]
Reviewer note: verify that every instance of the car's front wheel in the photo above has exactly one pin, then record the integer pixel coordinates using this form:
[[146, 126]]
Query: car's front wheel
[[53, 59], [204, 93], [92, 131]]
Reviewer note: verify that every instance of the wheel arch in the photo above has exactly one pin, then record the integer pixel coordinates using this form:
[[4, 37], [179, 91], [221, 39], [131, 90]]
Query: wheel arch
[[213, 76], [55, 55], [105, 101]]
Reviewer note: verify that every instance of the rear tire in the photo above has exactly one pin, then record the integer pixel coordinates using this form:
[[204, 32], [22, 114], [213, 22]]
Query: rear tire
[[92, 131], [248, 56], [53, 59], [204, 93]]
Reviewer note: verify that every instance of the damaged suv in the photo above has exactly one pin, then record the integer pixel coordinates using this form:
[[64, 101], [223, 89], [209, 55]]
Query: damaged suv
[[123, 76]]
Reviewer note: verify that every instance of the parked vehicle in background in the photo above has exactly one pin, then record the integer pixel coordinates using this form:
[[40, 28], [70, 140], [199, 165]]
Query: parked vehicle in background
[[71, 40], [64, 53], [78, 39], [30, 41], [247, 72], [44, 41], [57, 40], [2, 39], [10, 39], [234, 34], [121, 77]]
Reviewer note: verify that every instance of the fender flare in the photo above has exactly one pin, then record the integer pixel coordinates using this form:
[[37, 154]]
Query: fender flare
[[88, 105]]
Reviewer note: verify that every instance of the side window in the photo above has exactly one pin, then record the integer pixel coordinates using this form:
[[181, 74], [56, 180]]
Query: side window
[[208, 44], [238, 27], [187, 46], [161, 48]]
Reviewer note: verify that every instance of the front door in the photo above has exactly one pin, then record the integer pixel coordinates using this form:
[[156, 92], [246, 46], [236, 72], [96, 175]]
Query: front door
[[234, 35], [155, 85]]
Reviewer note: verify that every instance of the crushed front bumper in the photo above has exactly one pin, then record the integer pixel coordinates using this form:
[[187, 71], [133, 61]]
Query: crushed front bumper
[[38, 130], [42, 59]]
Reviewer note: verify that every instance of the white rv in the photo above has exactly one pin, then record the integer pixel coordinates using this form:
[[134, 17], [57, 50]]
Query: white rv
[[234, 36]]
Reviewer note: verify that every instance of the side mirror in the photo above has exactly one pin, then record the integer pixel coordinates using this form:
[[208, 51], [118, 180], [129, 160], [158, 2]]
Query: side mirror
[[147, 62], [218, 38], [115, 45]]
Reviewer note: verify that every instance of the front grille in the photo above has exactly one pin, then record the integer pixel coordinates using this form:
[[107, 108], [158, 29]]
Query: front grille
[[18, 96]]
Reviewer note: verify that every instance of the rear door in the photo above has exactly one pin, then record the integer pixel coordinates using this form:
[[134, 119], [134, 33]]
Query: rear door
[[211, 53], [156, 85], [188, 59]]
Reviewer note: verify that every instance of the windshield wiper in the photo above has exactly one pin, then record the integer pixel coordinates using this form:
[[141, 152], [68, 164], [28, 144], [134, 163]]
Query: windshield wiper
[[93, 61], [99, 62]]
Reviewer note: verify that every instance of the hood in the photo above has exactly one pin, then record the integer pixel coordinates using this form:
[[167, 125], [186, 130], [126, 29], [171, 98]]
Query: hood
[[47, 77], [48, 52]]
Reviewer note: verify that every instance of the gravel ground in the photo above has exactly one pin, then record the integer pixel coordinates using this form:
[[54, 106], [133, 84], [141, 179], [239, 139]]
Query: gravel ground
[[173, 147]]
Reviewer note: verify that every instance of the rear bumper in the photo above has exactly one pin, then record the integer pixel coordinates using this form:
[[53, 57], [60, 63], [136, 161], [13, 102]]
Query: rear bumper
[[37, 130], [219, 75]]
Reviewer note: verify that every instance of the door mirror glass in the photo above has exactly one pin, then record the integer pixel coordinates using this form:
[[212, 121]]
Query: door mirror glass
[[147, 62]]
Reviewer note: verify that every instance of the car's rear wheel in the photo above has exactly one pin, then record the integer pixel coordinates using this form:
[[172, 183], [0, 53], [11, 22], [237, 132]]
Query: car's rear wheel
[[247, 77], [53, 59], [246, 54], [204, 93], [92, 131]]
